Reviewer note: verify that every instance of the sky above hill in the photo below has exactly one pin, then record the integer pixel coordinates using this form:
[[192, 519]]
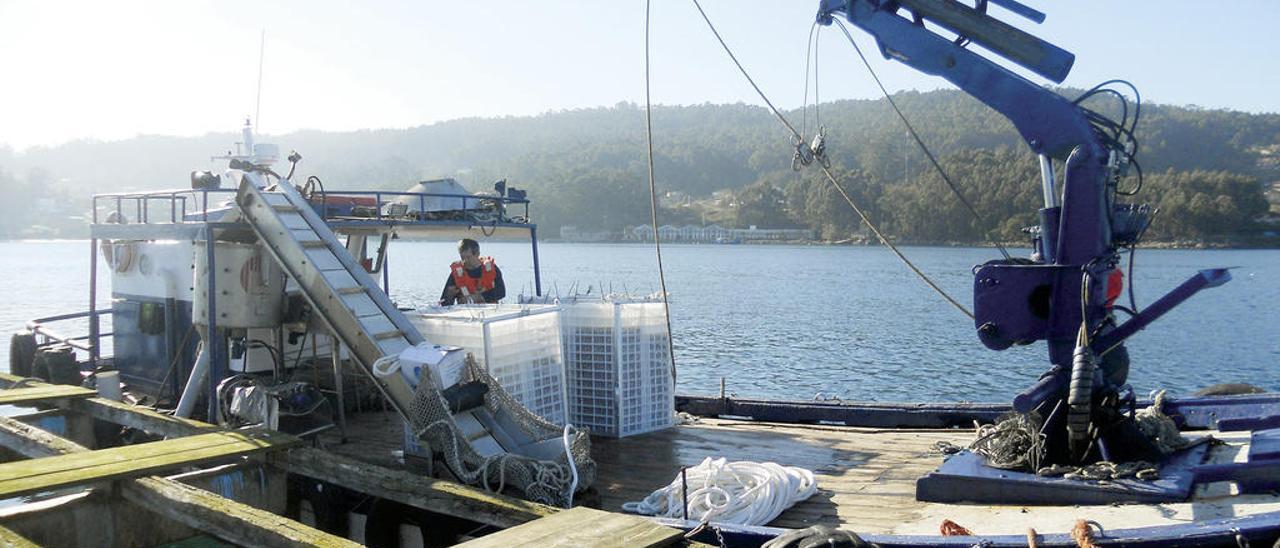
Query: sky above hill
[[114, 70]]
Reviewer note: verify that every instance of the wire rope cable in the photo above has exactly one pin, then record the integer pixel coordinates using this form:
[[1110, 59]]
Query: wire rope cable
[[827, 171], [653, 198], [920, 274], [811, 53], [920, 142]]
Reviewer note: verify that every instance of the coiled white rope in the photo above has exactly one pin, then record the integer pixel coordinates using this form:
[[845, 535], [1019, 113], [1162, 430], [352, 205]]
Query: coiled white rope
[[739, 493]]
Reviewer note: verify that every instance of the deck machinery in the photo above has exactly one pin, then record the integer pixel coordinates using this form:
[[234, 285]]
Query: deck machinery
[[1063, 293]]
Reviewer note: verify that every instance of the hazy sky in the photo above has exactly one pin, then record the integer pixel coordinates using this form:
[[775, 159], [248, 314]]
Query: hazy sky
[[113, 70]]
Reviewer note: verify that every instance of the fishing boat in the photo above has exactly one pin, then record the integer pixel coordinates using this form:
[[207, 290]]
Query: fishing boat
[[250, 317]]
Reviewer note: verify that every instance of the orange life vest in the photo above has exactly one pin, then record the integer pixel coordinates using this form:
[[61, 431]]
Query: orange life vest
[[470, 286]]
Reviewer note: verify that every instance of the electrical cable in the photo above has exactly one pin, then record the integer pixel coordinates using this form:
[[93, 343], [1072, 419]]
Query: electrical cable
[[919, 141], [315, 182], [826, 170], [653, 197], [277, 360], [1121, 139]]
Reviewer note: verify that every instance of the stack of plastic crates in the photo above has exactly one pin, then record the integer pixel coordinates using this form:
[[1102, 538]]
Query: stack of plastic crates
[[619, 368], [517, 344]]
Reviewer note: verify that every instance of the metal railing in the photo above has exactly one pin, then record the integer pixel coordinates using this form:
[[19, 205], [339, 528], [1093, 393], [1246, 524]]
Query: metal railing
[[177, 203], [45, 335], [192, 205], [471, 203]]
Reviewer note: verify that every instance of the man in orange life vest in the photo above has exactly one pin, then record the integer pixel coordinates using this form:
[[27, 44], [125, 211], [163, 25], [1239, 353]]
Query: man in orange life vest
[[472, 279]]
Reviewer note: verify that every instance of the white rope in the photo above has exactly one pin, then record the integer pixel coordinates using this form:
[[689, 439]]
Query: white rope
[[738, 493], [573, 467]]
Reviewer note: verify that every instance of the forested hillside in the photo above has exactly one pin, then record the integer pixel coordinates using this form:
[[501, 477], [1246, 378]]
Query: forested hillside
[[1207, 170]]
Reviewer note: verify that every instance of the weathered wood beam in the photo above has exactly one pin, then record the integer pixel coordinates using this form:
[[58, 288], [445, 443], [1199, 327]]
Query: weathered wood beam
[[583, 526], [10, 539], [227, 519], [141, 418], [230, 520], [133, 416], [42, 393], [432, 495], [424, 493], [36, 416], [33, 476], [33, 442]]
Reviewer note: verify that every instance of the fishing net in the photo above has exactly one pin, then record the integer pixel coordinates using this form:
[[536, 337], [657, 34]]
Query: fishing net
[[545, 481], [1013, 442]]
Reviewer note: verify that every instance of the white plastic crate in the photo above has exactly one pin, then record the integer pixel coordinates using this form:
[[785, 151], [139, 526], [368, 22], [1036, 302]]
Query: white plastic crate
[[519, 345], [618, 366]]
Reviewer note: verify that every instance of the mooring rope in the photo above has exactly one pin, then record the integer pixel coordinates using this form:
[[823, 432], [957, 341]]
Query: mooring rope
[[740, 493]]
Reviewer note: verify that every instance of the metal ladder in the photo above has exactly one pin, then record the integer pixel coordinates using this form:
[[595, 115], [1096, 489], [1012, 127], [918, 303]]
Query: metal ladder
[[340, 291]]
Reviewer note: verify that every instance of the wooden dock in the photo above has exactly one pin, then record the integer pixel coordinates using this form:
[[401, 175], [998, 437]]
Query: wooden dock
[[56, 462], [50, 473], [112, 476], [866, 477], [568, 529]]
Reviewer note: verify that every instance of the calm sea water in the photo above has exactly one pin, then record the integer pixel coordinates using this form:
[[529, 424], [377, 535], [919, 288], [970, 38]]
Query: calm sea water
[[797, 321]]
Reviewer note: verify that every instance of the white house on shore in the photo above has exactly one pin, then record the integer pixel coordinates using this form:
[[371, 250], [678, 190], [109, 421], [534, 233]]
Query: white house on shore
[[714, 234], [574, 234]]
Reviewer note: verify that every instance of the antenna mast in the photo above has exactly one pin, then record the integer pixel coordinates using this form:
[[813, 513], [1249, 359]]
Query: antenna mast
[[257, 107]]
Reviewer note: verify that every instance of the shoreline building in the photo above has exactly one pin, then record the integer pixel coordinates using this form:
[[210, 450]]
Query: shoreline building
[[715, 234]]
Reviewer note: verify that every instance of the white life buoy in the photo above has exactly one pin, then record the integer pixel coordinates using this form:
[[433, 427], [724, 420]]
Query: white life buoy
[[119, 255]]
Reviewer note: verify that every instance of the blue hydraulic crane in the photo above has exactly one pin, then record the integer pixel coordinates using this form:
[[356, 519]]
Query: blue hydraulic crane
[[1063, 293]]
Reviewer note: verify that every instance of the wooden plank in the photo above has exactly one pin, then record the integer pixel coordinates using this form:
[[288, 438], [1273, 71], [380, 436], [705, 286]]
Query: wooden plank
[[432, 495], [34, 442], [209, 512], [115, 412], [10, 539], [141, 418], [583, 526], [429, 494], [230, 520], [18, 396], [26, 477]]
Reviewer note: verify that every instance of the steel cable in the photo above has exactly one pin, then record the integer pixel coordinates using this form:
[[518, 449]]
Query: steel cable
[[825, 170], [917, 138], [653, 199]]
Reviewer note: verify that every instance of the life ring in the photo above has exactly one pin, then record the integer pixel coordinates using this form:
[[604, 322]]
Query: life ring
[[119, 255]]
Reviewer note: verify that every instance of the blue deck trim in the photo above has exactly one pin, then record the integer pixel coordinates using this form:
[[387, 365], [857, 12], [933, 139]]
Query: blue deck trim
[[1260, 529], [1249, 423], [965, 477], [1265, 445], [877, 415], [1192, 413]]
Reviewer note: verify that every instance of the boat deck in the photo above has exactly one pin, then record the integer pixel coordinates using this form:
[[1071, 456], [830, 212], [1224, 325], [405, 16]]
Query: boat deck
[[866, 477]]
